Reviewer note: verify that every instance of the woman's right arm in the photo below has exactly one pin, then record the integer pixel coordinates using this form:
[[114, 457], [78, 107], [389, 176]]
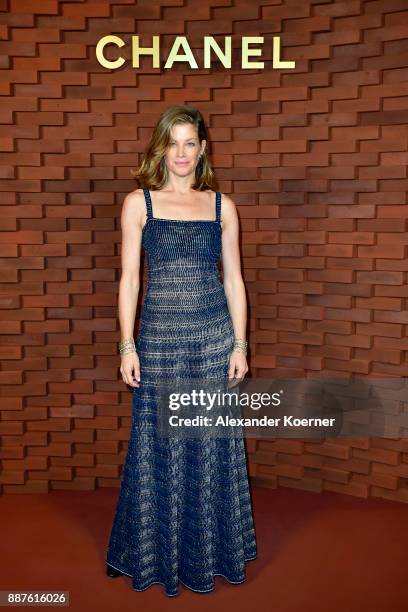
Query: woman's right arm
[[132, 220]]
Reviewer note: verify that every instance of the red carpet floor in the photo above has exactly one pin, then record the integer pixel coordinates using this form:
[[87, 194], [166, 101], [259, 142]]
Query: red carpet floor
[[316, 552]]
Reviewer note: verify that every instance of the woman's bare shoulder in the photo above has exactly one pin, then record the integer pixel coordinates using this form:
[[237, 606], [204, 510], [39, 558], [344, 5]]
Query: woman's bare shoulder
[[134, 207], [135, 201], [228, 207], [134, 197], [225, 199]]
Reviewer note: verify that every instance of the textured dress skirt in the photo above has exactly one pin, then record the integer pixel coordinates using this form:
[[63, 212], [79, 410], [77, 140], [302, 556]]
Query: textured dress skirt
[[184, 510]]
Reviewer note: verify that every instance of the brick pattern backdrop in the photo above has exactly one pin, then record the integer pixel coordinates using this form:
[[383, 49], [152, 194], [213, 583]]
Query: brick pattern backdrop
[[315, 159]]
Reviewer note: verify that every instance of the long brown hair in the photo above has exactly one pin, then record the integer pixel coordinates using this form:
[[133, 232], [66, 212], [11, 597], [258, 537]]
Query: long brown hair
[[152, 172]]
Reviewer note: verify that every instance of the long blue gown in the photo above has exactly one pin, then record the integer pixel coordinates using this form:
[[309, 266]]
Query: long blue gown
[[184, 508]]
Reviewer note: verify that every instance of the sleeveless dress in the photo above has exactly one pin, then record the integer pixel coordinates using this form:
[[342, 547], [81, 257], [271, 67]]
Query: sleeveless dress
[[184, 508]]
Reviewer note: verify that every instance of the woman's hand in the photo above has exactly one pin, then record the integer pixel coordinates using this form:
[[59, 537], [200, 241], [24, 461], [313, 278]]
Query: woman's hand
[[238, 366], [130, 369]]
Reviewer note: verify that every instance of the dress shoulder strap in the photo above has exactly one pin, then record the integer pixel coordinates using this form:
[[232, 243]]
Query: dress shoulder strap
[[148, 203], [218, 206]]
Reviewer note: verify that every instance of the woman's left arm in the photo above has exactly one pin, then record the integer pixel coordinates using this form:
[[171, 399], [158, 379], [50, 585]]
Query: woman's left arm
[[233, 284]]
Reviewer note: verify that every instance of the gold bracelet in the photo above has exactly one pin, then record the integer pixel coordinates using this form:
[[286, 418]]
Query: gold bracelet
[[241, 345], [127, 346]]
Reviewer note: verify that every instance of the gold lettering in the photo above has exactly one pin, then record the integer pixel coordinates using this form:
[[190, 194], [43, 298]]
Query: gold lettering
[[181, 41], [246, 52], [137, 51], [106, 40], [224, 57], [276, 60]]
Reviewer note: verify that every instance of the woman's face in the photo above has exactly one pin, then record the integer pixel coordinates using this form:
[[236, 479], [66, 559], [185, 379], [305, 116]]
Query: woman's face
[[183, 149]]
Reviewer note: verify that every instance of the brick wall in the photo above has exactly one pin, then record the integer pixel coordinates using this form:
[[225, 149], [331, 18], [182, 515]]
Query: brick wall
[[315, 159]]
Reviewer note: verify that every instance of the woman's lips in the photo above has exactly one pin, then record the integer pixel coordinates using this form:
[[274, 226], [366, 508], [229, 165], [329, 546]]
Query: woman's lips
[[182, 163]]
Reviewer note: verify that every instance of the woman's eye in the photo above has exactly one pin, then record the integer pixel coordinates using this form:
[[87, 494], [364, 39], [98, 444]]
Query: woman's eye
[[189, 144]]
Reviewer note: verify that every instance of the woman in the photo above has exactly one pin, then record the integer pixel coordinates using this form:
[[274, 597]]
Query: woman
[[184, 512]]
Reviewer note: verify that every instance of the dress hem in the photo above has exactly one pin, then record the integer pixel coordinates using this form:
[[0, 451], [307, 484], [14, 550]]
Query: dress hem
[[183, 583]]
